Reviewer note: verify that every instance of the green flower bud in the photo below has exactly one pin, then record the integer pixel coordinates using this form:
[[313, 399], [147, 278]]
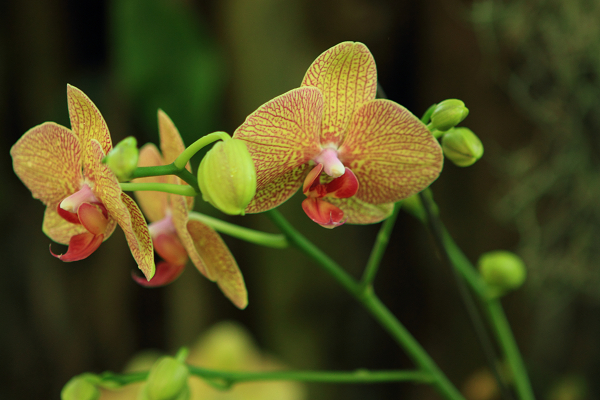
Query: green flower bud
[[167, 380], [502, 271], [448, 114], [227, 177], [462, 146], [123, 158], [80, 387]]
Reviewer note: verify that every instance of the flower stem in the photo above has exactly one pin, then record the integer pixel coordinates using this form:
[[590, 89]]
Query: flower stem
[[171, 169], [184, 190], [381, 243], [371, 302], [274, 240], [195, 147]]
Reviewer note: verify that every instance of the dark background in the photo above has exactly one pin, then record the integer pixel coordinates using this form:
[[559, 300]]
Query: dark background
[[528, 71]]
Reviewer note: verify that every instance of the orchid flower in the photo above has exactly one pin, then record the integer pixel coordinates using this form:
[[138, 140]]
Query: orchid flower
[[62, 167], [353, 155], [174, 234]]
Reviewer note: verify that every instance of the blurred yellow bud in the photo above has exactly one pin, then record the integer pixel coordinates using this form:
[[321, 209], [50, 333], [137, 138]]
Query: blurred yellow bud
[[502, 271], [227, 177], [167, 380], [80, 387], [448, 114], [462, 146], [123, 158]]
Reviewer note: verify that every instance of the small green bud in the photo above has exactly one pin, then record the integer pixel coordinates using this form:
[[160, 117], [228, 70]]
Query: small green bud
[[167, 380], [462, 146], [80, 387], [227, 177], [502, 271], [448, 114], [123, 158]]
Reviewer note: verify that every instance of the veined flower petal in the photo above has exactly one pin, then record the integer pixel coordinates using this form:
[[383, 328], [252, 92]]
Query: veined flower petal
[[282, 136], [219, 262], [47, 159], [323, 213], [347, 77], [86, 121], [58, 229], [391, 151], [153, 204], [80, 246], [357, 211], [165, 274]]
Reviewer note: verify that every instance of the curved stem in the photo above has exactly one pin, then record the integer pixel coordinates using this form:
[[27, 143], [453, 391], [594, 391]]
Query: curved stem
[[195, 147], [381, 243], [184, 190], [275, 240], [171, 169], [371, 302]]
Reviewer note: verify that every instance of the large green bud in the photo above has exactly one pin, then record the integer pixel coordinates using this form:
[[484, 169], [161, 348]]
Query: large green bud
[[448, 114], [167, 380], [80, 387], [462, 146], [502, 271], [123, 158], [227, 177]]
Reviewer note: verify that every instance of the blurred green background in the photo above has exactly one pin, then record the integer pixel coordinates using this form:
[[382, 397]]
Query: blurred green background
[[527, 69]]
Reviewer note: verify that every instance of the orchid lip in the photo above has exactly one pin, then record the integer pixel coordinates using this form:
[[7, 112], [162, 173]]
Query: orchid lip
[[331, 163], [83, 195]]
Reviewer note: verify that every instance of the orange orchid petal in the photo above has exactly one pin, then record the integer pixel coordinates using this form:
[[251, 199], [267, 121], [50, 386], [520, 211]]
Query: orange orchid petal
[[47, 159], [92, 218], [165, 273], [169, 247], [86, 121], [153, 204], [357, 211], [347, 77], [123, 209], [219, 262], [180, 219], [323, 213], [282, 135], [171, 145], [80, 246], [391, 151]]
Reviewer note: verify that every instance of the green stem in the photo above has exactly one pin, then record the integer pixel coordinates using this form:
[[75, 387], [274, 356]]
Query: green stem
[[195, 147], [275, 240], [171, 169], [381, 243], [183, 190], [371, 302]]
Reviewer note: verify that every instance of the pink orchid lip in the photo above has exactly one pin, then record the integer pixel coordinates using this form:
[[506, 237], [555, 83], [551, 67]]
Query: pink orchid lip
[[166, 242], [331, 163], [84, 195]]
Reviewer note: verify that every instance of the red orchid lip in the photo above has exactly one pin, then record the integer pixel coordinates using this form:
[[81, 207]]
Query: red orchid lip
[[80, 246]]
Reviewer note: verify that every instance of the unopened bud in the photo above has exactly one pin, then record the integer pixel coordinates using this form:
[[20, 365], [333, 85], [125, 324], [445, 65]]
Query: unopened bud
[[123, 158], [80, 387], [167, 380], [227, 177], [462, 146], [502, 271], [448, 114]]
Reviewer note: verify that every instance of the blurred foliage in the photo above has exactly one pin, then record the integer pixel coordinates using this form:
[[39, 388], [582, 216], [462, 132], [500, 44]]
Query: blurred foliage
[[547, 55]]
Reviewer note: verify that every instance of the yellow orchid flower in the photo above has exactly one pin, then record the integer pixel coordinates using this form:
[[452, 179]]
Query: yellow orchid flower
[[63, 168], [176, 236], [369, 153]]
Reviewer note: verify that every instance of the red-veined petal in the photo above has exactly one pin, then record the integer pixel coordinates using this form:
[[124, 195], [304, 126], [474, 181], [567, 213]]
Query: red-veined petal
[[57, 228], [323, 213], [86, 121], [391, 151], [219, 263], [47, 158], [153, 204], [165, 274], [357, 211], [282, 136], [80, 247], [347, 77]]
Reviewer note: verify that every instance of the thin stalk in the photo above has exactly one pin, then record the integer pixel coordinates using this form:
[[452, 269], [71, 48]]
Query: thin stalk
[[195, 147], [381, 243], [274, 240], [171, 169], [184, 190], [372, 303]]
